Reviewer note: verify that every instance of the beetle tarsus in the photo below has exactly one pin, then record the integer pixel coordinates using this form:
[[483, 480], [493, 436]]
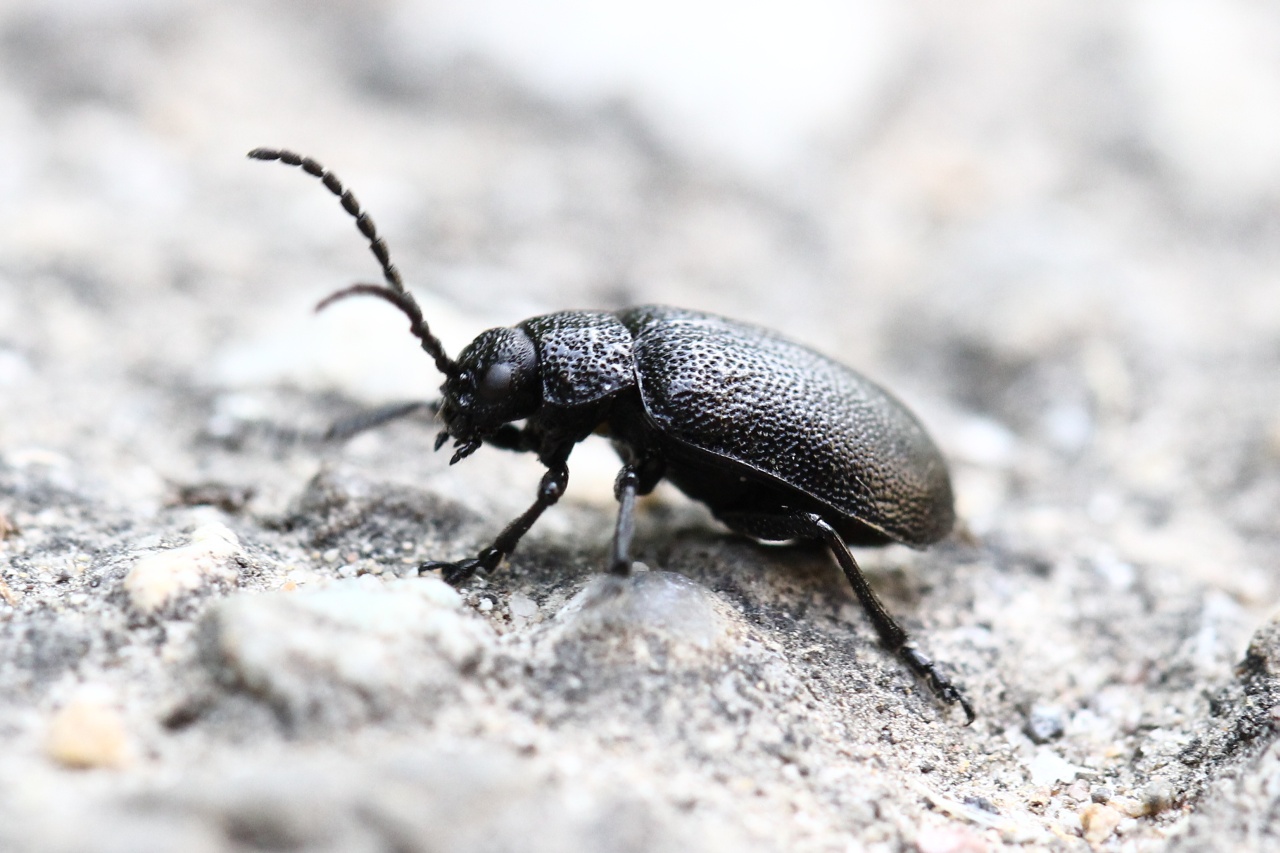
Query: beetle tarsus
[[549, 491], [892, 635], [463, 449], [942, 687], [463, 570]]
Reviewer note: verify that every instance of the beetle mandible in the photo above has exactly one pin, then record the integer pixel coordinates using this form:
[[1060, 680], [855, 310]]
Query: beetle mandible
[[779, 441]]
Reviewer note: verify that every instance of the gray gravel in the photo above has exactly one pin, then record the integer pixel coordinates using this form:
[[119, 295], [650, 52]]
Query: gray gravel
[[1054, 232]]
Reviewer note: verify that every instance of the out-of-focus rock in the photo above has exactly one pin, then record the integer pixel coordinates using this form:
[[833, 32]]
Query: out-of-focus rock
[[353, 651], [87, 733], [159, 579]]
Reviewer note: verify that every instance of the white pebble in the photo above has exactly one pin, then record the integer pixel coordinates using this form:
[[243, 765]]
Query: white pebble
[[157, 579]]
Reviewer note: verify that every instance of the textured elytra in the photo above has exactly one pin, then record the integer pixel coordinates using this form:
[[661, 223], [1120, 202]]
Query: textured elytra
[[750, 396]]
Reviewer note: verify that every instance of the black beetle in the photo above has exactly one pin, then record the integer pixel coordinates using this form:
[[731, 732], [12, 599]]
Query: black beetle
[[780, 442]]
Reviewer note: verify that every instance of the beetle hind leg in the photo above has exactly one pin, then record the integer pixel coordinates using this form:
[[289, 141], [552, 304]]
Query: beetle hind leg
[[807, 525], [892, 635]]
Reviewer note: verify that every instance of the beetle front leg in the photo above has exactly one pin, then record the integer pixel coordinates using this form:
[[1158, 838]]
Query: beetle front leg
[[549, 491]]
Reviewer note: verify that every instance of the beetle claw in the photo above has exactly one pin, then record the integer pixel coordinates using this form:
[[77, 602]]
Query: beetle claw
[[452, 573], [969, 715], [951, 695], [939, 684], [463, 449], [463, 570]]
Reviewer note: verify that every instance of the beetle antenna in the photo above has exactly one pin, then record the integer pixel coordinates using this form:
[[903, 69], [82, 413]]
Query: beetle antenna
[[394, 290]]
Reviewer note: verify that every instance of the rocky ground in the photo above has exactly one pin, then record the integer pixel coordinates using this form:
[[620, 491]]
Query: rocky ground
[[1052, 231]]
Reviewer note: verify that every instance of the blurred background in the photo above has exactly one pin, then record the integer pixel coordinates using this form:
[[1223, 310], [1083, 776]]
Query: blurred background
[[1053, 228]]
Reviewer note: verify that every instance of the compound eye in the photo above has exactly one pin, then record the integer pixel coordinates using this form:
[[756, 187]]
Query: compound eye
[[497, 382]]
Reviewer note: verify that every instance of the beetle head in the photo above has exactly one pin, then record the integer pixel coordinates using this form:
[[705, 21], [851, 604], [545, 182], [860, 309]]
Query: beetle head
[[496, 382]]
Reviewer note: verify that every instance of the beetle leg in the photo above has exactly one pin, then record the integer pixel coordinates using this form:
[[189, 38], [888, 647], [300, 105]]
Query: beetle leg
[[340, 430], [352, 425], [549, 491], [625, 490], [808, 525], [892, 635], [508, 437]]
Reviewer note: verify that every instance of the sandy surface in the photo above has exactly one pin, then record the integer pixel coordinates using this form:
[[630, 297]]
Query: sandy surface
[[1053, 232]]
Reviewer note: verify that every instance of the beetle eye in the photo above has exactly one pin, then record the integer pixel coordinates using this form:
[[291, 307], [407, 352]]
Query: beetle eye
[[496, 383]]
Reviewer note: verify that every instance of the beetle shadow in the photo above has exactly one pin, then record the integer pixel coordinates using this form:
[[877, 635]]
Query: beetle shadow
[[727, 562], [750, 570]]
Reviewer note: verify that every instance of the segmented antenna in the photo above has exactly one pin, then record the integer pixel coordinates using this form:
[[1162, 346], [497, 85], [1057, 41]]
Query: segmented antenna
[[394, 290]]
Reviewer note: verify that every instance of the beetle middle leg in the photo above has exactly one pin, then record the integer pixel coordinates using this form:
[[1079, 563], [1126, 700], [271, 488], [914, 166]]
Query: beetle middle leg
[[638, 476], [625, 490], [808, 525]]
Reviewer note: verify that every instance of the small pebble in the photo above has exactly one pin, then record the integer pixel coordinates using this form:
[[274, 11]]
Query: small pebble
[[981, 803], [1046, 723], [1099, 822], [1047, 768], [949, 839], [1039, 798], [523, 609], [1128, 806], [157, 579], [1157, 796], [1070, 822], [87, 734]]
